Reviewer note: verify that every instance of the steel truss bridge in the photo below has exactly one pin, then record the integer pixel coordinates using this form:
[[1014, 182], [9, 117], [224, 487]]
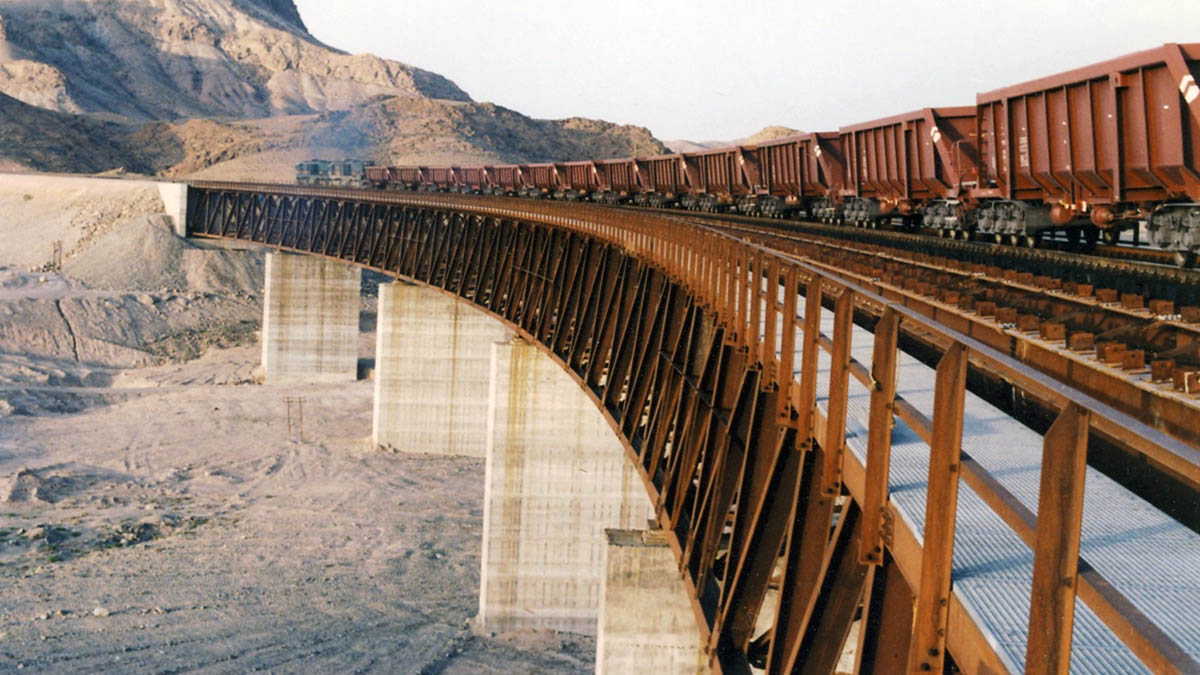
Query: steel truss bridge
[[728, 372]]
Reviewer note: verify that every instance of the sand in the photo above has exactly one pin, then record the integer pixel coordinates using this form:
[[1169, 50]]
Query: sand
[[156, 516], [181, 529]]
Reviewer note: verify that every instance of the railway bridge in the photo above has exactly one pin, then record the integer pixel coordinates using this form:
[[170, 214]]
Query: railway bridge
[[831, 476]]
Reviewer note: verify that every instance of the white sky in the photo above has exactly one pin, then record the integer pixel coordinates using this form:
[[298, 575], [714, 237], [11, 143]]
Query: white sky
[[722, 69]]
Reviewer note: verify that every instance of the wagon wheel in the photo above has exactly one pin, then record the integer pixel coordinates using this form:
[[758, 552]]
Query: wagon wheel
[[1029, 241], [1185, 258]]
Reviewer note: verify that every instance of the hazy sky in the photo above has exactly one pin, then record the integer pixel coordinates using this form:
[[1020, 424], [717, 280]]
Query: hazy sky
[[721, 69]]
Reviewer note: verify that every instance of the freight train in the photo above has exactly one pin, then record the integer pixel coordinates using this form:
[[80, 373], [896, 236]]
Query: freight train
[[1088, 153]]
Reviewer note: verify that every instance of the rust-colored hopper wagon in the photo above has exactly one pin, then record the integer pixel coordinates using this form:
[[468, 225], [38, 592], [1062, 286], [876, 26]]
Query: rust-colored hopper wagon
[[793, 176], [378, 177], [507, 179], [472, 179], [713, 179], [661, 179], [617, 180], [577, 180], [909, 166], [542, 179], [439, 178], [1097, 150]]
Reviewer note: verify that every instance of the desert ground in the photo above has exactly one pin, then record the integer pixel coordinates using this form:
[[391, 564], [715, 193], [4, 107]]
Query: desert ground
[[155, 513]]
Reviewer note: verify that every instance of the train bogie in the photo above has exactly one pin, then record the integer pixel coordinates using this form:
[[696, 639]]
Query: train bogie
[[1176, 228], [946, 216]]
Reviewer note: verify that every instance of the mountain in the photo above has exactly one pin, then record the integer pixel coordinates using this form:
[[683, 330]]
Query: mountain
[[168, 59], [768, 133], [179, 87]]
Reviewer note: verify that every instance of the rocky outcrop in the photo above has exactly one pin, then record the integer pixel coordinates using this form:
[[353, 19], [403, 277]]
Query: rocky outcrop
[[768, 133], [171, 59], [284, 10], [50, 141]]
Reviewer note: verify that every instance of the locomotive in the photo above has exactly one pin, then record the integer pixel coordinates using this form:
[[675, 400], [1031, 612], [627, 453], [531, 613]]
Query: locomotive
[[346, 173], [1087, 153]]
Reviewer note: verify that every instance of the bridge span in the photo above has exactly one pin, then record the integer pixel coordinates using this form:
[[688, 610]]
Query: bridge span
[[818, 486]]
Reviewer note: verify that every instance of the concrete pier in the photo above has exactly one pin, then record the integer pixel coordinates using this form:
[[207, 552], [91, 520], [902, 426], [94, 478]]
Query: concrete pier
[[432, 367], [310, 320], [556, 477], [646, 620]]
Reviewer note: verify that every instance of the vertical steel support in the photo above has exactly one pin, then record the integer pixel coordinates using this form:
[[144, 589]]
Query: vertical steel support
[[928, 647], [887, 622], [839, 390], [770, 321], [754, 330], [1056, 553], [787, 355], [879, 436], [808, 360]]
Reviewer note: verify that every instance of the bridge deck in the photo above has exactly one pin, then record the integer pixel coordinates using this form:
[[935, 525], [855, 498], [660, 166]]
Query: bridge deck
[[1151, 558]]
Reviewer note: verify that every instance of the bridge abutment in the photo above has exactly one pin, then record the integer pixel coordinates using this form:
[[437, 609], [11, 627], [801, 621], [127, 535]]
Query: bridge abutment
[[432, 368], [556, 477], [646, 620], [174, 199], [310, 320]]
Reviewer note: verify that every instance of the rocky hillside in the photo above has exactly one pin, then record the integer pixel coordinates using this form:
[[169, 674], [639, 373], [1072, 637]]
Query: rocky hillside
[[51, 141], [169, 59], [239, 88]]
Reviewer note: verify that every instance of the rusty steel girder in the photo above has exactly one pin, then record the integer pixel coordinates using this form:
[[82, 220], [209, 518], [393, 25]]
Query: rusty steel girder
[[671, 330]]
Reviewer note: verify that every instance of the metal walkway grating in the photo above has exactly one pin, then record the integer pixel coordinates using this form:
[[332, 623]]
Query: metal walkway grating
[[1152, 559]]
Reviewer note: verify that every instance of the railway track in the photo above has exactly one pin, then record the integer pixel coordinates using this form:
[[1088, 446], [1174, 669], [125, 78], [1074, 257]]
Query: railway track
[[1125, 269], [1143, 361]]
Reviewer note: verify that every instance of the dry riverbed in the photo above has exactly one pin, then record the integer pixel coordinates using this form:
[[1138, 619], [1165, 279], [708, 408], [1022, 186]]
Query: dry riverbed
[[155, 515]]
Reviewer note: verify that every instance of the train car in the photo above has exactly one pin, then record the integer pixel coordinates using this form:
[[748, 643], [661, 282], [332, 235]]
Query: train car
[[508, 179], [617, 180], [405, 177], [441, 178], [472, 179], [378, 177], [577, 180], [661, 179], [713, 179], [905, 165], [1097, 149], [770, 172], [823, 168], [542, 180], [793, 176]]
